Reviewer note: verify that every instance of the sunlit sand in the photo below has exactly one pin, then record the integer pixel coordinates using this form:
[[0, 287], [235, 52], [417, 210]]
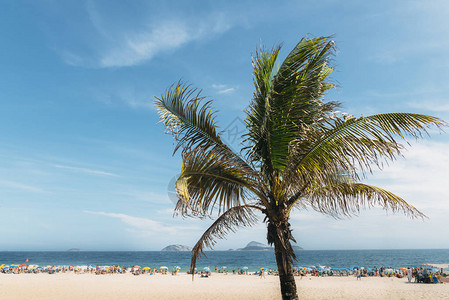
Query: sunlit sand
[[218, 286]]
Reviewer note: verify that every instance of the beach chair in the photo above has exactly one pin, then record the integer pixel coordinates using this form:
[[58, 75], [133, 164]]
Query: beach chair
[[435, 279]]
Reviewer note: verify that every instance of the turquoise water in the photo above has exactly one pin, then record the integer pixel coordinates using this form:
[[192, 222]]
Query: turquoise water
[[254, 260]]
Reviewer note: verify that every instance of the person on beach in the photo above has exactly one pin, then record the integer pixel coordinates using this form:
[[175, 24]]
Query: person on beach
[[409, 275], [359, 274]]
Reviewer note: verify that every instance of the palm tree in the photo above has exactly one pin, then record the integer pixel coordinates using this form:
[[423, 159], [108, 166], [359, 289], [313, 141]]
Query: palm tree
[[301, 152]]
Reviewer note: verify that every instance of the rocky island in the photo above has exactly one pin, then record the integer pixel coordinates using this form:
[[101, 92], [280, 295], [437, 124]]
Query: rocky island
[[176, 248], [256, 246], [74, 250]]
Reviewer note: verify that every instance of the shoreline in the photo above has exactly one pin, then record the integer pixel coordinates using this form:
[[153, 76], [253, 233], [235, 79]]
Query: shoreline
[[218, 286]]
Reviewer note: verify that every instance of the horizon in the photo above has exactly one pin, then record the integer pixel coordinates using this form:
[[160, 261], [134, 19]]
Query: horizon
[[85, 162], [223, 250], [219, 250]]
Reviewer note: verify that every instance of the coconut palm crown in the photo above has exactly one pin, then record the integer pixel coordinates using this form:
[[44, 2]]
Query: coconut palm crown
[[300, 153]]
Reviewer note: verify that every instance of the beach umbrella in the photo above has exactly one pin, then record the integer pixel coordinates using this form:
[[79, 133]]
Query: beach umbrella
[[177, 267], [163, 267], [146, 268], [224, 267], [245, 268], [39, 268], [207, 268]]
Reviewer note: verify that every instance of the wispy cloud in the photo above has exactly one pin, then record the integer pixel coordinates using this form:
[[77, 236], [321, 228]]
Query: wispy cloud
[[226, 91], [21, 186], [415, 39], [138, 47], [86, 170], [433, 105], [421, 176], [143, 225], [223, 88], [424, 97], [123, 94], [144, 39]]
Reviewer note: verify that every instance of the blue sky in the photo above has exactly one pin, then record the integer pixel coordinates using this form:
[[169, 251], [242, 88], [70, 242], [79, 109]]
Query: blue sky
[[85, 164]]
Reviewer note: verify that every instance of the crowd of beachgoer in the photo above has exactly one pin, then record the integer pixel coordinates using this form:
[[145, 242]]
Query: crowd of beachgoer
[[98, 270], [415, 274]]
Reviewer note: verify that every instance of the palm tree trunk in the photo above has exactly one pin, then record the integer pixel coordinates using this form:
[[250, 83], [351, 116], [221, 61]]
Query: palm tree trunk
[[284, 260]]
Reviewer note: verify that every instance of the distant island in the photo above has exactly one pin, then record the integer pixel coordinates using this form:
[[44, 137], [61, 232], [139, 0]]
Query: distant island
[[74, 250], [177, 248], [256, 246]]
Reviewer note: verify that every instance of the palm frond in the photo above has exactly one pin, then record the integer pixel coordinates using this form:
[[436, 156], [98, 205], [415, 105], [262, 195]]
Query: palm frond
[[349, 198], [352, 145], [257, 114], [291, 100], [229, 221], [187, 118], [208, 182], [191, 121]]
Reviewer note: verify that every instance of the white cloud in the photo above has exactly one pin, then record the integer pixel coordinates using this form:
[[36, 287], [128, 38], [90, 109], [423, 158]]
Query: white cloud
[[436, 105], [135, 48], [72, 59], [21, 186], [223, 88], [417, 27], [143, 39], [86, 170], [145, 226], [124, 94], [422, 176], [226, 91]]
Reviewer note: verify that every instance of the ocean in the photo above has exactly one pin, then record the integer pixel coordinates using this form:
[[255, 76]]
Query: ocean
[[253, 260]]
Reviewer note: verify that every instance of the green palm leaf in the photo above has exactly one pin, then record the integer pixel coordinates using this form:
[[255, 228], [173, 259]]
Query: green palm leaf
[[229, 221], [349, 198], [280, 109], [352, 144], [208, 182], [190, 118]]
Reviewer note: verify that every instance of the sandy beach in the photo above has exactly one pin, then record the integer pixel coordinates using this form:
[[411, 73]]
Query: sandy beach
[[218, 286]]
